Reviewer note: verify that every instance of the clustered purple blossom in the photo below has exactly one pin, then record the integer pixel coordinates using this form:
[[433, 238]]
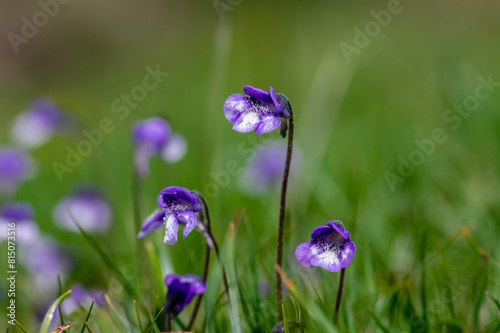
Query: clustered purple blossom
[[178, 205]]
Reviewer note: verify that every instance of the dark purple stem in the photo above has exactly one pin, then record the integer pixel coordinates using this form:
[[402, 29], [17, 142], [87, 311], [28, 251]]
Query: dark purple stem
[[279, 247], [339, 296]]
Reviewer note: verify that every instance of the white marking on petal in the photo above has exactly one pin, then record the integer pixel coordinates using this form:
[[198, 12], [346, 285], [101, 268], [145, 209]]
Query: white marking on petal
[[247, 122]]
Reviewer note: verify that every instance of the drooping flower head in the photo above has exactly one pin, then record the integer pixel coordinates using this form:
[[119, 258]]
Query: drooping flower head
[[181, 290], [152, 137], [260, 111], [89, 208], [20, 213], [15, 167], [330, 248], [178, 205], [265, 171], [38, 124]]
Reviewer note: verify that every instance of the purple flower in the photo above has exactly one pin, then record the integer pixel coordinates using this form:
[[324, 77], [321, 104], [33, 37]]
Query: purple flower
[[181, 290], [38, 124], [178, 205], [265, 171], [330, 248], [261, 111], [152, 137], [15, 167], [20, 213], [88, 207], [81, 297]]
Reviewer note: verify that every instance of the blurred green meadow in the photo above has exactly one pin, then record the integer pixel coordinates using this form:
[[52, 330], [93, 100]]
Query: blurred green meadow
[[382, 148]]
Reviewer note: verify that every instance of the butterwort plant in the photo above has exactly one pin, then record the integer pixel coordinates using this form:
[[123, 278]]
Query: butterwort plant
[[330, 248], [264, 112], [180, 206]]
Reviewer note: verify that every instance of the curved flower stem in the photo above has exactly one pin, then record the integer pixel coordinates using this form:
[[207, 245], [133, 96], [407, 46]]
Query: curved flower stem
[[339, 296], [279, 247], [204, 278], [208, 229], [214, 242], [169, 322]]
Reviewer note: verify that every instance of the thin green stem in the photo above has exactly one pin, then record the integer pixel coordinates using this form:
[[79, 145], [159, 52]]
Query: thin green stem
[[339, 296], [279, 246]]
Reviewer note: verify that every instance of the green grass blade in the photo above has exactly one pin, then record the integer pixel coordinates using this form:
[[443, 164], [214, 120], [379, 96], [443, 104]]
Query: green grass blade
[[88, 316], [50, 313], [119, 322], [285, 321], [138, 316], [153, 256], [19, 325], [497, 303], [378, 322], [107, 260], [61, 317], [88, 327], [235, 317], [153, 322], [312, 309]]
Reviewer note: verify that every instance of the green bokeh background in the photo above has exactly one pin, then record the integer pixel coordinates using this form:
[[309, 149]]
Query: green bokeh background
[[353, 120]]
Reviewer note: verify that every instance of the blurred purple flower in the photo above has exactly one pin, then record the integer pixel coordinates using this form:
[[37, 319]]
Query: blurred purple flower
[[330, 248], [45, 261], [265, 171], [81, 297], [152, 137], [89, 208], [38, 124], [178, 205], [20, 213], [15, 167], [181, 290], [261, 111]]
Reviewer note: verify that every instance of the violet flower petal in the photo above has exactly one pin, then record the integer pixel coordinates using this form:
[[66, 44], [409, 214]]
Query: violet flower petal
[[268, 123], [247, 122], [181, 290], [234, 107], [189, 220], [174, 149], [153, 222], [89, 209], [171, 228]]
